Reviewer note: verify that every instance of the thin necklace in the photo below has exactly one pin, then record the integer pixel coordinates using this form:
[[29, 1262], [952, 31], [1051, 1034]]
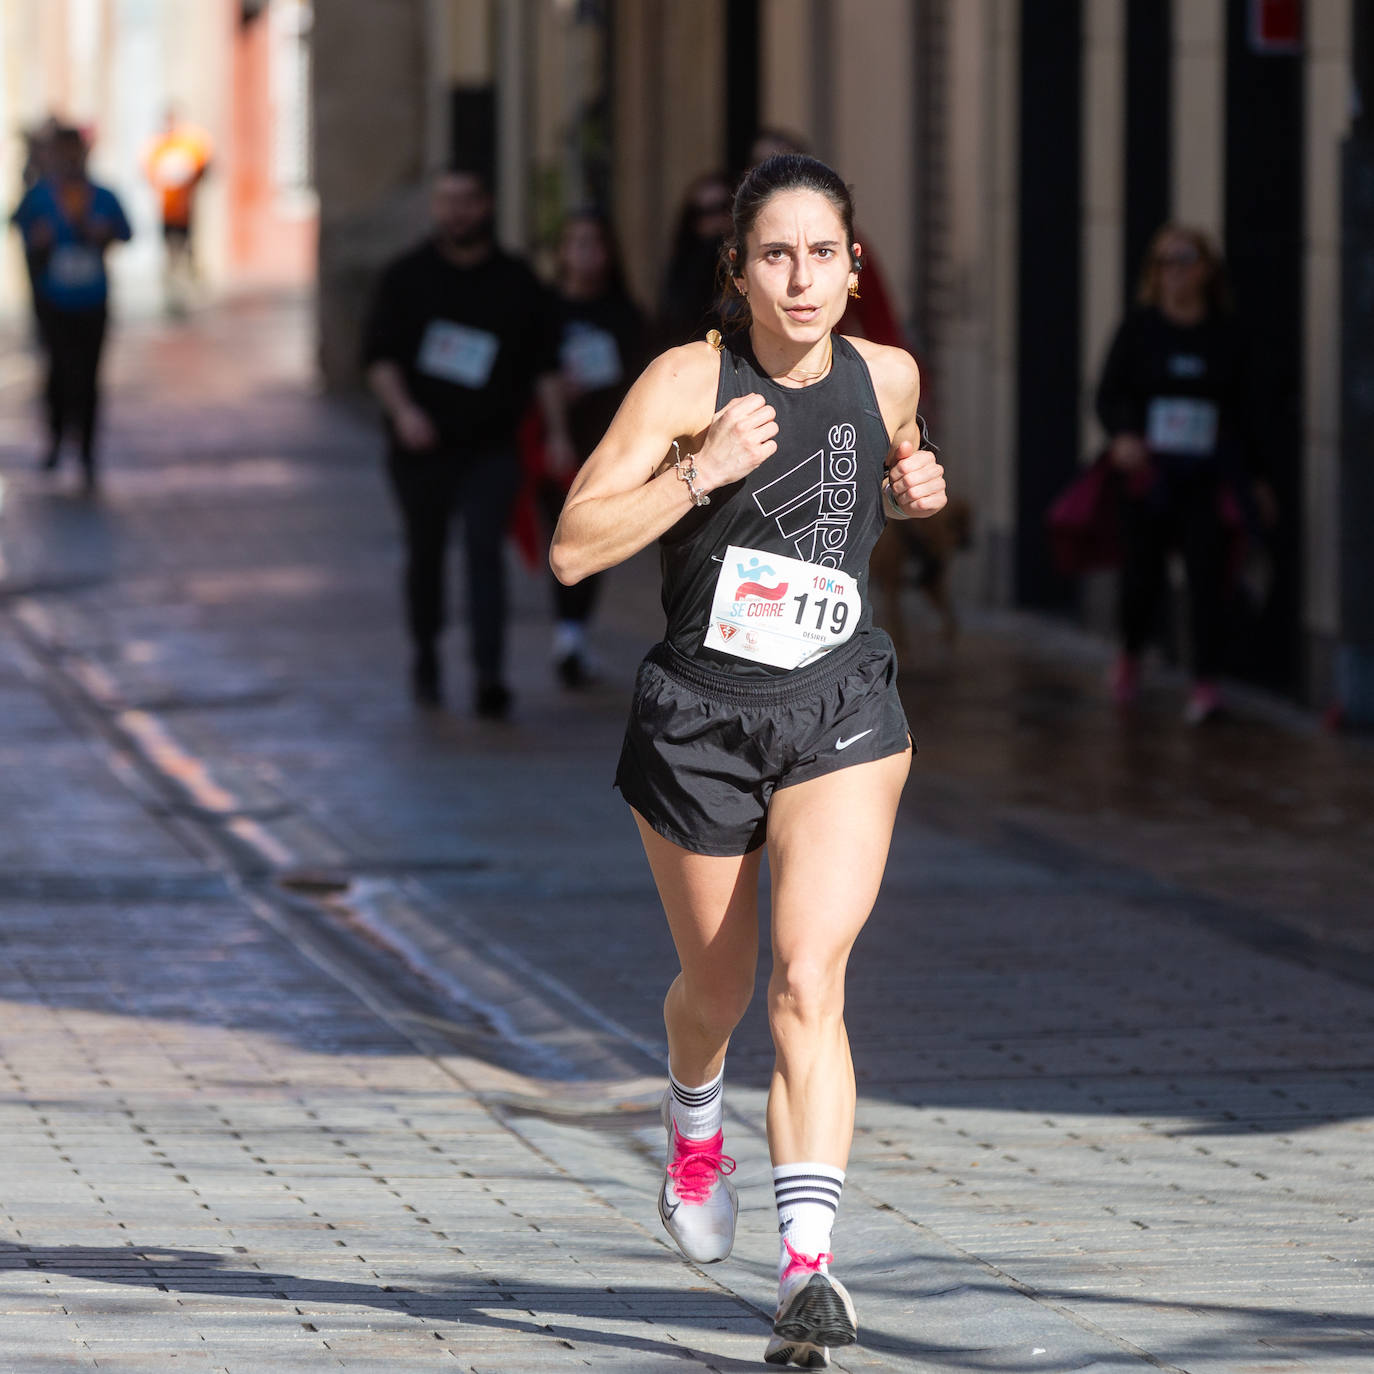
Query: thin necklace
[[795, 376]]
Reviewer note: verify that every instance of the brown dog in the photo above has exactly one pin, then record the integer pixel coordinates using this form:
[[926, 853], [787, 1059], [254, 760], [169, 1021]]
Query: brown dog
[[931, 543]]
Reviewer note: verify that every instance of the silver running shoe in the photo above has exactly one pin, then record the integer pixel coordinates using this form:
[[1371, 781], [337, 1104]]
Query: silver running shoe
[[697, 1202], [814, 1310]]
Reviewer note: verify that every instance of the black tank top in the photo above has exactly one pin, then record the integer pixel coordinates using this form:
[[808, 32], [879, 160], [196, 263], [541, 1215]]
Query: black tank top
[[818, 498]]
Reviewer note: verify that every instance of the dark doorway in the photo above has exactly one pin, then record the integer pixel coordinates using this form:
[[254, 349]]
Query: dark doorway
[[1049, 286], [472, 129], [1148, 97], [1265, 137], [742, 57]]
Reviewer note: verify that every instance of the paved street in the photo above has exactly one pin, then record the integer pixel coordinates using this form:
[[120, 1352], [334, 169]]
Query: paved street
[[330, 1031]]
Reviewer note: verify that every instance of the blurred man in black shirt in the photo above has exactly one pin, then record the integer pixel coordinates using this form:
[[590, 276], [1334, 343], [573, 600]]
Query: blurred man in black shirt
[[460, 336]]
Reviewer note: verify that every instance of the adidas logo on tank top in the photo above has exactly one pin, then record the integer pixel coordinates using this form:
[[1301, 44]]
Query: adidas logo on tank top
[[816, 501]]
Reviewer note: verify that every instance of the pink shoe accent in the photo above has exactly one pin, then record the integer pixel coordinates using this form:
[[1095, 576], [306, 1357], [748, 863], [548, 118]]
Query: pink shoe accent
[[1207, 693], [1203, 702], [797, 1262], [1125, 679], [696, 1164]]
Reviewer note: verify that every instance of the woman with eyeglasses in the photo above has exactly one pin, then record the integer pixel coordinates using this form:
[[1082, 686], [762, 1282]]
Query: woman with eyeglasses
[[1174, 398], [687, 305]]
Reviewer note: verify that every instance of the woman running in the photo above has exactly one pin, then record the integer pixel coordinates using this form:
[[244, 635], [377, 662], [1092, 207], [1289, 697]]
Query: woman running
[[769, 713]]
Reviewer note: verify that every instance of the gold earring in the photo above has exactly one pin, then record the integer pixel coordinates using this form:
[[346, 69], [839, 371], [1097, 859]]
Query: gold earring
[[854, 288], [742, 292]]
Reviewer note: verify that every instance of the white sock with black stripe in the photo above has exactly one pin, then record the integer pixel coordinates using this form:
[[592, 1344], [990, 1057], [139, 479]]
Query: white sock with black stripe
[[698, 1113], [808, 1196]]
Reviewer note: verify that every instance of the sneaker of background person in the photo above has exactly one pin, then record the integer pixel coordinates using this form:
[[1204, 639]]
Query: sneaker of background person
[[576, 670], [571, 659], [493, 700], [1124, 680], [698, 1203], [426, 684], [1204, 701]]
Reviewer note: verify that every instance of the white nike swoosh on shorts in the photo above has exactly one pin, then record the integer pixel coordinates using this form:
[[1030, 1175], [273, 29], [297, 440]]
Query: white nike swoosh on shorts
[[845, 743]]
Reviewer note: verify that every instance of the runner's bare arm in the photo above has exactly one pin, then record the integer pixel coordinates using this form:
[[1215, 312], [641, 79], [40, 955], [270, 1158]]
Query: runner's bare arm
[[627, 493], [915, 483]]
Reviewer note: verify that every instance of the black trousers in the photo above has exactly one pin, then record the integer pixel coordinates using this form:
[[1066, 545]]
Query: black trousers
[[1182, 513], [573, 603], [74, 340], [479, 486]]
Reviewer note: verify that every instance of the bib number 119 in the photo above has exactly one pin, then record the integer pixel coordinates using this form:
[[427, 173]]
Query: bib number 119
[[839, 612]]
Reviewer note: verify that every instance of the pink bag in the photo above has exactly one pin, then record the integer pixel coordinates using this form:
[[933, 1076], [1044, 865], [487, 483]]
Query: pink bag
[[1084, 522]]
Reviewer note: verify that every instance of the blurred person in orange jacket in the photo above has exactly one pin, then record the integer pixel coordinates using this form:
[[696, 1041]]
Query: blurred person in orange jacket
[[175, 161]]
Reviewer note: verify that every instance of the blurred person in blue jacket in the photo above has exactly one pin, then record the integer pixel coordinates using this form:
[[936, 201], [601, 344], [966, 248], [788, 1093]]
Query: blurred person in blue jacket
[[68, 223]]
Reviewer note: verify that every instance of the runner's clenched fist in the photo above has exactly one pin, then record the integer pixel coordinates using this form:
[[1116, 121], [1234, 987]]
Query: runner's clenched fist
[[917, 481], [741, 435]]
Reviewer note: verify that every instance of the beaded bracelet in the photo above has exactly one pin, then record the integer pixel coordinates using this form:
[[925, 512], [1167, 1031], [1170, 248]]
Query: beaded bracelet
[[687, 472]]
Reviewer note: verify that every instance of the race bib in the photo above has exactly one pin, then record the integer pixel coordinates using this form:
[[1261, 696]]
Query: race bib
[[590, 358], [780, 611], [457, 353], [1181, 424], [74, 264]]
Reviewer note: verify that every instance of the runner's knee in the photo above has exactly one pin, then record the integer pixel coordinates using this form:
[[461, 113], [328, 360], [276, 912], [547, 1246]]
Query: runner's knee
[[805, 993], [718, 1003]]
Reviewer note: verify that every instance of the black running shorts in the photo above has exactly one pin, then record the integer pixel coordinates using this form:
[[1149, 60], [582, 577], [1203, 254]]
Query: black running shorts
[[704, 752]]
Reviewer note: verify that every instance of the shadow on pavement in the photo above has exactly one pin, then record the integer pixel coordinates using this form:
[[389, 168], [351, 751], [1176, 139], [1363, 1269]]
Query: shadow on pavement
[[469, 1303], [1319, 1333]]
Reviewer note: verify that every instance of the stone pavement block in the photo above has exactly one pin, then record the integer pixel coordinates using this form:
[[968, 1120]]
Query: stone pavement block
[[48, 1364], [142, 1361], [20, 1349]]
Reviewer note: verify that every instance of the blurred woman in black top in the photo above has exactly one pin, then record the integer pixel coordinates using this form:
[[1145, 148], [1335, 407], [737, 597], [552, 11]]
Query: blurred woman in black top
[[1174, 398], [603, 347], [691, 288]]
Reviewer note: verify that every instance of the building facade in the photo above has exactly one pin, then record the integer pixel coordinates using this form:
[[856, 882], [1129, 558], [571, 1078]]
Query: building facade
[[1010, 160], [237, 68]]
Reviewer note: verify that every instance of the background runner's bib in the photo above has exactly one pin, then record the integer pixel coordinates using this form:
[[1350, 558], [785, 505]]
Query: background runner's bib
[[457, 353], [590, 356], [1182, 424], [75, 264], [782, 611]]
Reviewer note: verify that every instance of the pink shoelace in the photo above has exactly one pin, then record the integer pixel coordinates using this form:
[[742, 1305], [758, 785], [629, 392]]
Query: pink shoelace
[[696, 1164], [796, 1260]]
